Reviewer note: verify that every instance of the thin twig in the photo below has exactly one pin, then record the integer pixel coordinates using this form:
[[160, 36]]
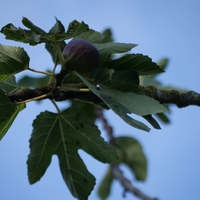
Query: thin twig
[[118, 174], [127, 184]]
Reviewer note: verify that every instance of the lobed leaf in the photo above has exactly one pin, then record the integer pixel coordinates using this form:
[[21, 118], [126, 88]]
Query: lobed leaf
[[12, 61], [9, 112], [63, 134]]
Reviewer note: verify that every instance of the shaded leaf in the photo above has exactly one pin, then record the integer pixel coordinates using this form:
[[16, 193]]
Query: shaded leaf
[[129, 120], [126, 75], [107, 49], [9, 112], [134, 103], [53, 51], [12, 61], [152, 121], [123, 80], [137, 62], [131, 153], [63, 134], [9, 85], [105, 185], [117, 106], [89, 109]]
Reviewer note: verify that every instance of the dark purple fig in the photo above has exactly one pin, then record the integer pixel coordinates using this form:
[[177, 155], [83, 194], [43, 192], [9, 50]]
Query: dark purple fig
[[83, 56]]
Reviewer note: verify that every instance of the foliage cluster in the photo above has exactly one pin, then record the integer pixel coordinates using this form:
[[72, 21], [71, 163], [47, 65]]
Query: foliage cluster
[[115, 85]]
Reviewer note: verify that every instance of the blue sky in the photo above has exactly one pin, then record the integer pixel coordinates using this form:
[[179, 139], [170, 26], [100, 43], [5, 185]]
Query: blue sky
[[162, 29]]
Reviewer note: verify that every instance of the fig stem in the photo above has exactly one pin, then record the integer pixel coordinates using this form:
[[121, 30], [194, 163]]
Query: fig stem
[[60, 55], [36, 98], [53, 71], [55, 105], [41, 72]]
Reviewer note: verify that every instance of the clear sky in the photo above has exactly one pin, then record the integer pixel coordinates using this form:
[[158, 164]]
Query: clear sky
[[162, 29]]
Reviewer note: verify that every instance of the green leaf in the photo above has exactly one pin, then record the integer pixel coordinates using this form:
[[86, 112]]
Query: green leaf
[[113, 100], [89, 109], [92, 36], [121, 112], [107, 49], [63, 134], [9, 112], [36, 35], [12, 61], [163, 117], [137, 62], [20, 35], [126, 75], [138, 104], [105, 185], [37, 30], [135, 103], [75, 28], [9, 85], [123, 80], [57, 28], [131, 153]]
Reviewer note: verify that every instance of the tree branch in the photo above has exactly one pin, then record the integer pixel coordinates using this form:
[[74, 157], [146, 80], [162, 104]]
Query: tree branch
[[181, 99], [118, 174], [57, 95], [163, 96]]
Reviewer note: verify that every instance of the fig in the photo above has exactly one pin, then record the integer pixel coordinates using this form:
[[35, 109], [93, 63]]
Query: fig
[[82, 56]]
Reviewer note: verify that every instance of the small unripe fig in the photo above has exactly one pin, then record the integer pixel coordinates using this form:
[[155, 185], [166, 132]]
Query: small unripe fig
[[83, 56]]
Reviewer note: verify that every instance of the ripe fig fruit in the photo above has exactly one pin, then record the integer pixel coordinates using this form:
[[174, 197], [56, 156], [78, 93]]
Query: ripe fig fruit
[[83, 56]]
